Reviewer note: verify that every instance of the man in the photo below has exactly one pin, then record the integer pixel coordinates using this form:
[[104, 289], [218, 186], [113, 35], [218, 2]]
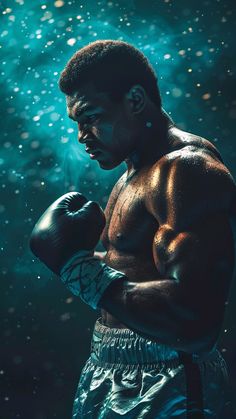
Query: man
[[164, 277]]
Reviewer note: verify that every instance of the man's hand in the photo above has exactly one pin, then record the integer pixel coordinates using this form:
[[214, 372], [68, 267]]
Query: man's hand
[[64, 239], [71, 224]]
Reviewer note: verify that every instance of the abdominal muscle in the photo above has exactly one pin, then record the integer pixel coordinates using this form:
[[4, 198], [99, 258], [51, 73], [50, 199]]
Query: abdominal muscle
[[137, 268]]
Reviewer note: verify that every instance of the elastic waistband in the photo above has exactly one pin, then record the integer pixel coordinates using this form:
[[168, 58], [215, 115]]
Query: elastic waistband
[[125, 347]]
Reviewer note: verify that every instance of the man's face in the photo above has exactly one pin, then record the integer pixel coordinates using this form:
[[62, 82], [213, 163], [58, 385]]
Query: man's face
[[105, 127]]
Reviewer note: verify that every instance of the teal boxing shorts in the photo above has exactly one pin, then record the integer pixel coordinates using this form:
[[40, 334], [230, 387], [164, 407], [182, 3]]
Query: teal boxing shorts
[[128, 376]]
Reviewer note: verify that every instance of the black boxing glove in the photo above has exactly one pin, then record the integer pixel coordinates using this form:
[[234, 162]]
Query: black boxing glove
[[70, 224], [64, 239]]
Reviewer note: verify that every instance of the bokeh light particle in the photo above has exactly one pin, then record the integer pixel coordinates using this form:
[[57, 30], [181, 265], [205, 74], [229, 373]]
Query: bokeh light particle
[[59, 3]]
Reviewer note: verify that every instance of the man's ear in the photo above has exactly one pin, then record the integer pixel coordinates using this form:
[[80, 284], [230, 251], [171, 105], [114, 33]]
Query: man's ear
[[136, 99]]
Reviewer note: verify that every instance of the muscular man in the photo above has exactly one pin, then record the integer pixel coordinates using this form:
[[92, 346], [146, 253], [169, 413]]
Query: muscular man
[[164, 277]]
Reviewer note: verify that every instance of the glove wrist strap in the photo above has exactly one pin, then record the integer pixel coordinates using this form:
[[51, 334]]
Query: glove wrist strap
[[88, 277]]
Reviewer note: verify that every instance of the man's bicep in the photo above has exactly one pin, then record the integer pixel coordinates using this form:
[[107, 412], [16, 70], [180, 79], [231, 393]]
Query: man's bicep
[[191, 204], [172, 250], [200, 259]]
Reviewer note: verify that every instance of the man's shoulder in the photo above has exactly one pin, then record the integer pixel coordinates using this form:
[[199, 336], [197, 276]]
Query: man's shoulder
[[189, 153], [192, 176], [180, 139]]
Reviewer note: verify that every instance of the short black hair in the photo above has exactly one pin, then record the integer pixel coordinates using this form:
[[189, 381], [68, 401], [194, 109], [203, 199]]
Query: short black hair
[[113, 67]]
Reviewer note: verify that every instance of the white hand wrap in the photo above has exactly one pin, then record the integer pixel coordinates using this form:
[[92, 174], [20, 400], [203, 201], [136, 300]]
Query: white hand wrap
[[88, 277]]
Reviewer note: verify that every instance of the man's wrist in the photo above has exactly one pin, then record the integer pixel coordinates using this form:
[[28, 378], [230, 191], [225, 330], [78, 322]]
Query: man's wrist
[[81, 254], [88, 277]]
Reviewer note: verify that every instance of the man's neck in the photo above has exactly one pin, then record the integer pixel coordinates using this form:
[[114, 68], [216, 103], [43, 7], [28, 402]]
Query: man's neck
[[152, 146]]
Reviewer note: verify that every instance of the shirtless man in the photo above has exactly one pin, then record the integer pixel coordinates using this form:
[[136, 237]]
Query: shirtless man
[[164, 277]]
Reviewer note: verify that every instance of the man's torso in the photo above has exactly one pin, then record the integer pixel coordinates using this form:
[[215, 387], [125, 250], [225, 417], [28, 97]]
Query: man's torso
[[130, 227]]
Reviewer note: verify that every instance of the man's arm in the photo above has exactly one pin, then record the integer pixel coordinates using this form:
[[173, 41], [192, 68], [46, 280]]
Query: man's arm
[[193, 251]]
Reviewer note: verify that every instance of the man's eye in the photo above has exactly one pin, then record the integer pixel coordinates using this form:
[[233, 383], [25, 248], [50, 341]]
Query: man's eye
[[88, 120], [93, 117]]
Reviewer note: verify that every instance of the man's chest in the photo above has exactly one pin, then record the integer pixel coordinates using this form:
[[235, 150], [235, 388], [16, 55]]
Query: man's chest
[[129, 226]]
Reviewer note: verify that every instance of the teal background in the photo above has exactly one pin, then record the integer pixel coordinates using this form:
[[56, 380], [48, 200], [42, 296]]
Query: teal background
[[45, 332]]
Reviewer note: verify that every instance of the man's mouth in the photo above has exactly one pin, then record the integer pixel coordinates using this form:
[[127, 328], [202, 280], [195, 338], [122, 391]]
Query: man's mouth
[[92, 152], [92, 156]]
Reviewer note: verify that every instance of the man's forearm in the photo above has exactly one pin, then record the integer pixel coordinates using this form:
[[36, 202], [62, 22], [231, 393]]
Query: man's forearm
[[155, 309]]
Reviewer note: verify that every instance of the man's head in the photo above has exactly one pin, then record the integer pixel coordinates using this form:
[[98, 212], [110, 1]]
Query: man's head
[[112, 67], [108, 85]]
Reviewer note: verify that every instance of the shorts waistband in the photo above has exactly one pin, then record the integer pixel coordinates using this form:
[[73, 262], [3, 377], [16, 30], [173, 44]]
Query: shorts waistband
[[125, 347]]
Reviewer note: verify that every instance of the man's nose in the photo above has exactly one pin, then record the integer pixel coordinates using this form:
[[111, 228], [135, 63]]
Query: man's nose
[[81, 137], [83, 134]]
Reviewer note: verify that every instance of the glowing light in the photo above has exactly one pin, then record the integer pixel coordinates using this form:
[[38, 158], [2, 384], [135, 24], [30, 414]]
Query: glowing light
[[59, 3], [7, 10], [176, 92], [47, 15], [35, 145], [206, 96], [71, 42], [24, 135]]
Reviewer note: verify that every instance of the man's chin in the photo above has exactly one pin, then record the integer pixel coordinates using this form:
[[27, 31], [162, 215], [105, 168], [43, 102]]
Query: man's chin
[[107, 165]]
